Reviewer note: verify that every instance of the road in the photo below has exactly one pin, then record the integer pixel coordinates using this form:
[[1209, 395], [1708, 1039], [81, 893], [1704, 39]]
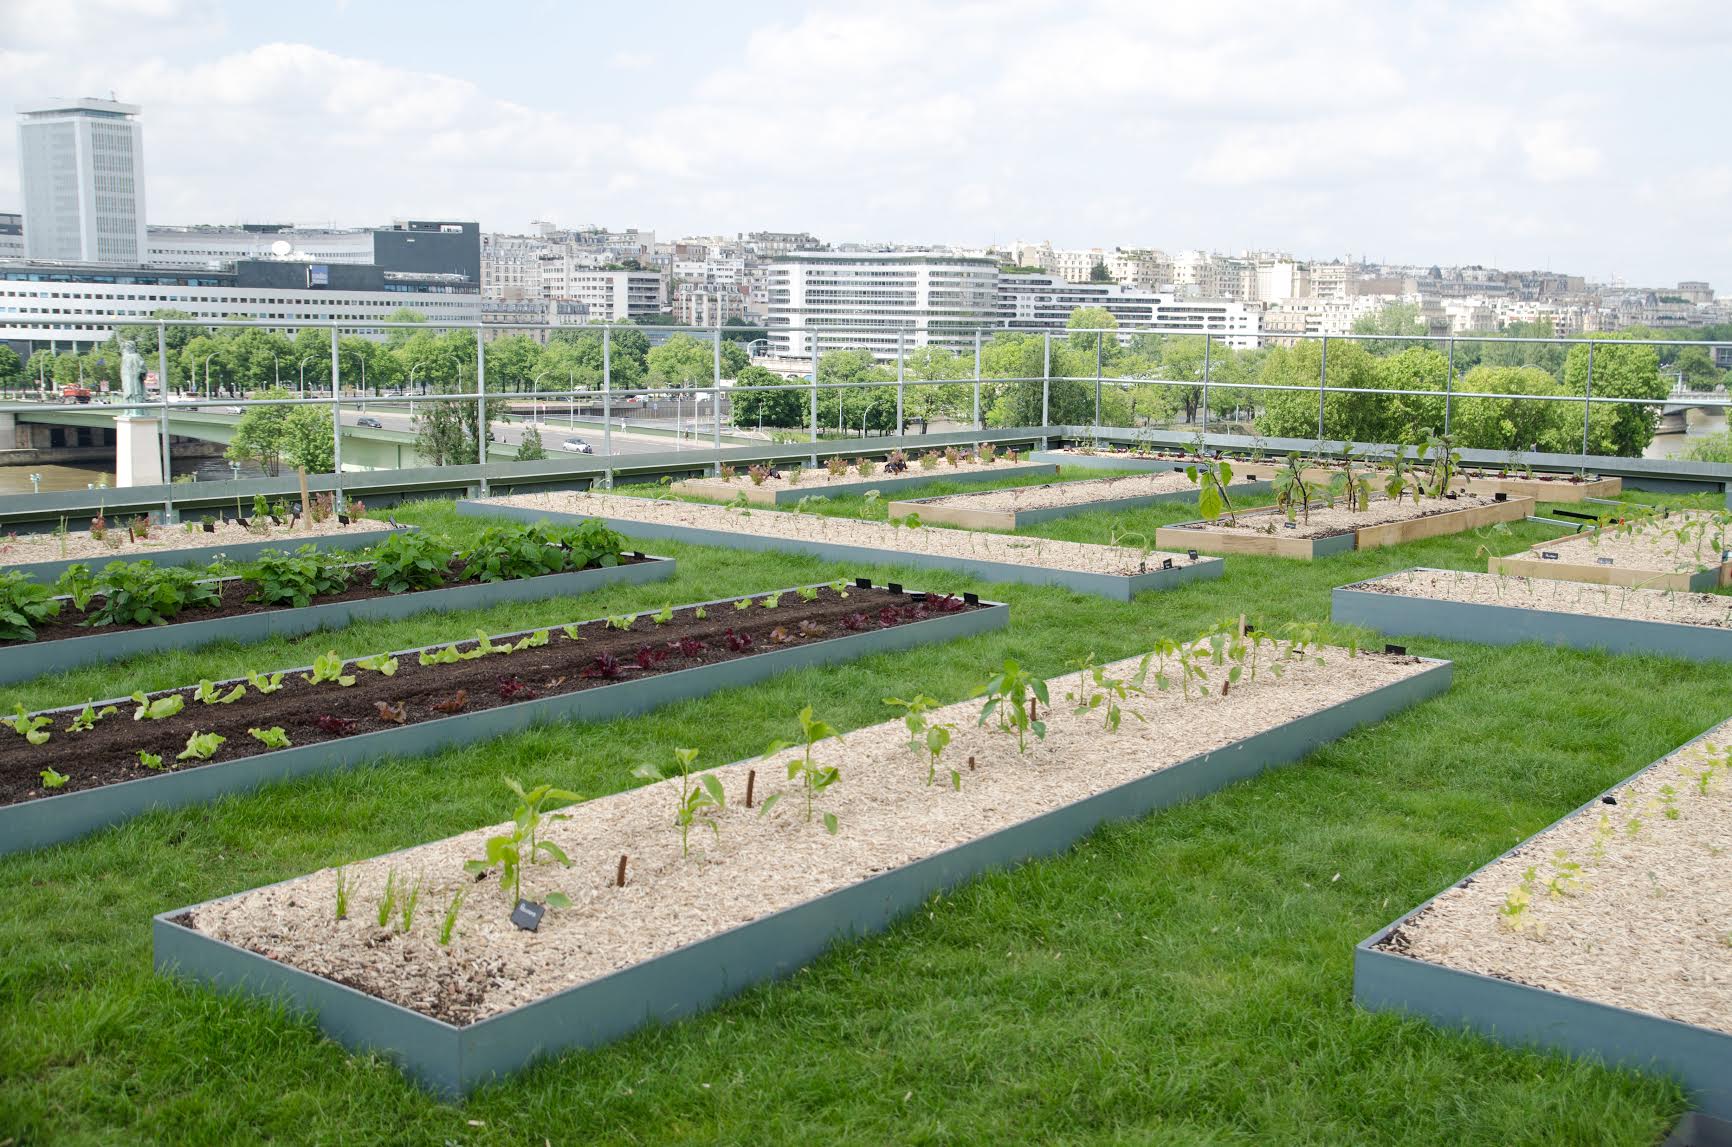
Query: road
[[511, 433]]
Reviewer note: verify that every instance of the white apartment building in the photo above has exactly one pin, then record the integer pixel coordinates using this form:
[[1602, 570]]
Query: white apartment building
[[82, 168], [511, 266], [1078, 266], [707, 304], [1205, 275], [1312, 317], [1146, 270], [879, 298], [1045, 302], [612, 296]]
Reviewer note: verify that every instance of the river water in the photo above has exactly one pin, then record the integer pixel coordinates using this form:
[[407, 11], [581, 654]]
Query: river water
[[82, 476]]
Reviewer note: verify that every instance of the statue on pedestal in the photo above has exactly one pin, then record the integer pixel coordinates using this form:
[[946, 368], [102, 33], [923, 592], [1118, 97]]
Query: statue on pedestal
[[131, 374]]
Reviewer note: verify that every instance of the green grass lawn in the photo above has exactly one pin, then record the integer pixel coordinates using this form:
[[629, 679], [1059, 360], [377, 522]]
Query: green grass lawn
[[1183, 979]]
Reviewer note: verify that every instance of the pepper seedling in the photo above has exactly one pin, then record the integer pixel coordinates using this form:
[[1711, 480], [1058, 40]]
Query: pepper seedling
[[814, 776], [694, 799], [511, 851], [1007, 694], [926, 736]]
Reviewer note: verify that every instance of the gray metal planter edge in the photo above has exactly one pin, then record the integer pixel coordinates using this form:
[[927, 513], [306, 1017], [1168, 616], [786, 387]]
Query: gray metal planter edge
[[24, 660], [56, 819], [1107, 461], [792, 496], [1519, 1015], [453, 1061], [1117, 587], [1513, 624], [1048, 513], [47, 572]]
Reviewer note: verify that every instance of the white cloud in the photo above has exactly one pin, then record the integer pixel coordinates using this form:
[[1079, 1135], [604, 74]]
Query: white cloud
[[1557, 151]]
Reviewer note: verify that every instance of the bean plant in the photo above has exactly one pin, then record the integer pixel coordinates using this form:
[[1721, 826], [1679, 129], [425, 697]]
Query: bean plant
[[24, 605]]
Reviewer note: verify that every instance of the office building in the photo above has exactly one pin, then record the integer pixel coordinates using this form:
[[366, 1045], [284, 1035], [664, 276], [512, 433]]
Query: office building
[[82, 167]]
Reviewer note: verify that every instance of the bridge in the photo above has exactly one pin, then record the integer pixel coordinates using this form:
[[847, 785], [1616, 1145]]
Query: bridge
[[1675, 415]]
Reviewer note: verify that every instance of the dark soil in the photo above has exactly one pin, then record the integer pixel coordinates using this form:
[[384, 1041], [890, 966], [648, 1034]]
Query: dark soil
[[71, 622], [308, 714]]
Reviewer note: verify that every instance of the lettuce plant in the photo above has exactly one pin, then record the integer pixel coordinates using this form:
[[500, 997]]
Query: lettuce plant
[[52, 779], [328, 667], [272, 738], [32, 729], [200, 747], [23, 606], [89, 716], [265, 683], [211, 694]]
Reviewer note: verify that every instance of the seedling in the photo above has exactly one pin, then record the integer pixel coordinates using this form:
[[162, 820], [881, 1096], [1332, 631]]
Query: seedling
[[744, 603], [1095, 690], [771, 602], [32, 729], [328, 667], [1290, 487], [265, 684], [52, 779], [448, 655], [808, 593], [272, 738], [926, 736], [511, 852], [1669, 802], [342, 893], [1007, 693], [394, 714], [1567, 879], [210, 694], [666, 615], [378, 663], [150, 760], [89, 716], [701, 613], [200, 747], [407, 912], [388, 902], [533, 641], [694, 799], [455, 703], [1212, 477], [448, 925], [621, 622], [813, 776]]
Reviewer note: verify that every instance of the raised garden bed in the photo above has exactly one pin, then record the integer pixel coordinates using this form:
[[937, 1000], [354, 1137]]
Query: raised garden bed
[[779, 491], [1154, 463], [1544, 487], [43, 558], [756, 900], [1025, 505], [1649, 553], [1498, 609], [602, 672], [1117, 572], [1337, 530], [65, 644], [1602, 936]]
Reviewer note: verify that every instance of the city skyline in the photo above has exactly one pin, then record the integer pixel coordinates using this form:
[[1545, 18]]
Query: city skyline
[[1494, 137]]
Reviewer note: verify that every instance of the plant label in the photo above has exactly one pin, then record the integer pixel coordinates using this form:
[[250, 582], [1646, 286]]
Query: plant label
[[862, 583], [1289, 525], [971, 598], [895, 587], [1500, 496], [1192, 554], [1398, 650], [1603, 561], [1166, 563], [527, 915], [1548, 555]]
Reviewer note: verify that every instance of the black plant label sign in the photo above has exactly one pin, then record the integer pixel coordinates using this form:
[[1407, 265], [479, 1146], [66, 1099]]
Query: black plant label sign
[[1166, 563], [1192, 554], [1548, 556], [527, 915], [1604, 561]]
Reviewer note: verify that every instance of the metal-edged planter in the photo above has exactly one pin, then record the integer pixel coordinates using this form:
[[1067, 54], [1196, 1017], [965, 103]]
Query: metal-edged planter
[[453, 1060], [1109, 461], [1116, 587], [952, 510], [20, 661], [48, 572], [1512, 624], [820, 485], [52, 820], [1518, 1015]]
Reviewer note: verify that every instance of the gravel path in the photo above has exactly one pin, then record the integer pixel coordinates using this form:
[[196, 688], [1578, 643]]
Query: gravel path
[[854, 532], [1645, 922], [889, 817], [29, 548]]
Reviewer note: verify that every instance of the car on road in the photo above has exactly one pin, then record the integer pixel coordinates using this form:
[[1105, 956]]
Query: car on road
[[576, 446], [230, 410], [369, 420]]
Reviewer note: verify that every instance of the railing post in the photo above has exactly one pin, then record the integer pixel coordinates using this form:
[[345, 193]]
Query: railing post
[[1046, 381], [1587, 404], [1203, 411], [716, 399], [813, 336], [481, 426], [899, 385], [1322, 376], [607, 401], [1448, 385], [977, 423], [162, 422], [336, 426], [1099, 335]]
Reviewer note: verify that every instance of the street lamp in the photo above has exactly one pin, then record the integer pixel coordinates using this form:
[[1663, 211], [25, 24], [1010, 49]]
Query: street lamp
[[303, 384], [207, 359], [868, 409], [534, 405]]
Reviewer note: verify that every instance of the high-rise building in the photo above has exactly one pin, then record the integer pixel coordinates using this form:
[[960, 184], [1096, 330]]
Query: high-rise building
[[82, 163], [877, 301]]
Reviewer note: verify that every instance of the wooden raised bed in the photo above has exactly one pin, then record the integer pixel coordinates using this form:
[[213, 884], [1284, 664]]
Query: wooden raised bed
[[1565, 564], [820, 484], [959, 510], [1211, 537]]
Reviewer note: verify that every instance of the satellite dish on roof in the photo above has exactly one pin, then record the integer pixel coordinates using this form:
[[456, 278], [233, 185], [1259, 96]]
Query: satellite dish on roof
[[281, 247]]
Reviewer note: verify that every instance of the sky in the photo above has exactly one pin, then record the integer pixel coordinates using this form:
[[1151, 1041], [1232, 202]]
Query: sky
[[1585, 136]]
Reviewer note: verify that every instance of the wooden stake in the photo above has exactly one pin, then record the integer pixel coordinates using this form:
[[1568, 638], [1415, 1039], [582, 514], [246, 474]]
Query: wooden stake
[[306, 503], [619, 878], [751, 779], [971, 764], [1241, 627]]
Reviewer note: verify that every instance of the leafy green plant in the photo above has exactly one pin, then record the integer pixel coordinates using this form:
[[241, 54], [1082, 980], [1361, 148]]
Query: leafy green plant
[[139, 593], [200, 746], [78, 583], [406, 562], [510, 852], [448, 925], [23, 606], [621, 621], [1096, 690], [1444, 459], [743, 603], [406, 913], [211, 694], [695, 799], [508, 553], [926, 737], [52, 779], [382, 663], [279, 578], [1291, 487], [807, 593], [265, 683], [814, 776], [772, 601], [1351, 486], [150, 760], [87, 717], [444, 655], [328, 667], [272, 738], [32, 729], [1212, 477], [1008, 693]]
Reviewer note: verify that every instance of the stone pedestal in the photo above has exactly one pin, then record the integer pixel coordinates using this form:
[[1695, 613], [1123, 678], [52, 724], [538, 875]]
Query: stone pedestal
[[137, 452]]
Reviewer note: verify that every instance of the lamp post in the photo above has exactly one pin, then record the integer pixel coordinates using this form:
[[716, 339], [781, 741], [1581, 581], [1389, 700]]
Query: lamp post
[[302, 390], [534, 403], [207, 359], [276, 370]]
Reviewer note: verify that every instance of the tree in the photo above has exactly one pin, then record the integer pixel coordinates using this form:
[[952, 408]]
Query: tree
[[1393, 319], [680, 362], [396, 336], [752, 407], [1293, 413], [1099, 274], [11, 367], [512, 362], [741, 331], [1619, 371], [529, 447], [1694, 363], [309, 440], [259, 435]]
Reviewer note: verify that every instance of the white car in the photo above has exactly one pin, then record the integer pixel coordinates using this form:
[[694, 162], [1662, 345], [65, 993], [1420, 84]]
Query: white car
[[576, 446]]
